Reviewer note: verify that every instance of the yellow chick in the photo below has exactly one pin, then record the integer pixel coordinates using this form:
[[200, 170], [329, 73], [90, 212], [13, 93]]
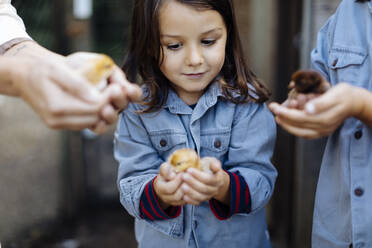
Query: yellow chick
[[95, 67]]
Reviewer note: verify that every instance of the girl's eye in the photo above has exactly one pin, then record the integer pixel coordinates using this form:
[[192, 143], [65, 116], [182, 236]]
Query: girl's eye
[[208, 42], [174, 46]]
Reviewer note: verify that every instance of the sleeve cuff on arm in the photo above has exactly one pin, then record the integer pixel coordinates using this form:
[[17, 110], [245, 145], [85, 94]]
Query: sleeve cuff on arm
[[150, 208], [240, 199]]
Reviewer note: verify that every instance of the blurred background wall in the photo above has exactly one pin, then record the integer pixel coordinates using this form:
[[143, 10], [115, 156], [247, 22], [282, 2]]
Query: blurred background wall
[[53, 184]]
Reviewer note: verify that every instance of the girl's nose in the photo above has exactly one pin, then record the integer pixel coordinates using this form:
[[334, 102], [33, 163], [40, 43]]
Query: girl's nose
[[194, 57]]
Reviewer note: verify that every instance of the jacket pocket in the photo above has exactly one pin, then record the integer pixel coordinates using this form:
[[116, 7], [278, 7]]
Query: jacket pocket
[[167, 141], [214, 143], [347, 64]]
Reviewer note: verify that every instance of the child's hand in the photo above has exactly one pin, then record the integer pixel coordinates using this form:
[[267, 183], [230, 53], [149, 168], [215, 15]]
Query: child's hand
[[201, 186], [167, 187]]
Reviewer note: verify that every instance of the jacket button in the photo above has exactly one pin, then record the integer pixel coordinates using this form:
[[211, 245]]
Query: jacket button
[[163, 143], [217, 143], [335, 62], [358, 191], [358, 134]]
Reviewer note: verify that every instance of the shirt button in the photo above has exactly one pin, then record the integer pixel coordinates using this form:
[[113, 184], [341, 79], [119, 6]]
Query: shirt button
[[358, 134], [163, 143], [217, 143], [358, 191]]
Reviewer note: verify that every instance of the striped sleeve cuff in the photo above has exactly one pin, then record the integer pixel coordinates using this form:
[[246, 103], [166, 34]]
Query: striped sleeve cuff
[[240, 199], [150, 208]]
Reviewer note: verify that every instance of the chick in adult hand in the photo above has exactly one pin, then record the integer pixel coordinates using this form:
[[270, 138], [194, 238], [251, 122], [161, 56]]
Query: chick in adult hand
[[306, 82], [95, 67]]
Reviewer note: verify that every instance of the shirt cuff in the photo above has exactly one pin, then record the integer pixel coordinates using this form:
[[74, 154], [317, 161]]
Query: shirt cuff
[[150, 208], [240, 199]]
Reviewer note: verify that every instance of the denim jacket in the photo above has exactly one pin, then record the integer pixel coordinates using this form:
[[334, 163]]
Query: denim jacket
[[343, 205], [241, 136]]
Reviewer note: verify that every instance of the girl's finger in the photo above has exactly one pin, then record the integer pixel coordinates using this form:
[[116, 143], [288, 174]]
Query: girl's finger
[[193, 194], [191, 201], [169, 187], [167, 171], [203, 177], [174, 198], [197, 185]]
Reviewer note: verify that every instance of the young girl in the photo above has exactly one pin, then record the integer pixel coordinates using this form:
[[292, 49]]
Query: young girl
[[200, 95]]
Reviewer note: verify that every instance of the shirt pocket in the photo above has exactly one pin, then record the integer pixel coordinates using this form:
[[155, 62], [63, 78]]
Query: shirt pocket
[[215, 143], [167, 141], [348, 65]]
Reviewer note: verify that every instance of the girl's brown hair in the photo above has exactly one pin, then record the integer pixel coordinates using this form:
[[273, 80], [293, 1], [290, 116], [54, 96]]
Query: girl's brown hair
[[145, 52]]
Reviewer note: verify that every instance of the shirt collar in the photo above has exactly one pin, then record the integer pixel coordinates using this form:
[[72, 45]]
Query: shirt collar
[[208, 99]]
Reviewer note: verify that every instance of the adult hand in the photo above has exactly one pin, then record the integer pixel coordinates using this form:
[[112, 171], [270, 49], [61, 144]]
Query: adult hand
[[62, 98], [107, 77], [118, 93], [322, 115], [167, 187]]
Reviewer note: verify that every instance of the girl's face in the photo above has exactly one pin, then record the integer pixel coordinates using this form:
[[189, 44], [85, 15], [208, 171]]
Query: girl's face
[[194, 44]]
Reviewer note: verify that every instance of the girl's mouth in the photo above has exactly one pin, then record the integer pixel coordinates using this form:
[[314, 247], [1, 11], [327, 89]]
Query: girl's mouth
[[194, 75]]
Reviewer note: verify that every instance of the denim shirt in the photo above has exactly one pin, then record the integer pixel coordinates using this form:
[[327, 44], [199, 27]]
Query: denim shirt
[[246, 136], [343, 205]]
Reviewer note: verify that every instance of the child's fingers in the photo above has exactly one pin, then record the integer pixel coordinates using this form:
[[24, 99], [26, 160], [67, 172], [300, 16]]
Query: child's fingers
[[188, 200], [201, 176], [175, 199], [198, 185], [164, 187], [167, 171], [193, 194], [214, 164]]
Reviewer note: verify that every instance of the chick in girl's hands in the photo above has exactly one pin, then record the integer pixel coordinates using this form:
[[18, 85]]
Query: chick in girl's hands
[[187, 179], [185, 158]]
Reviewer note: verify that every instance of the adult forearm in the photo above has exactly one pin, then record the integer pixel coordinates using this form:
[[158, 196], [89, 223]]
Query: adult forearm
[[15, 65], [30, 49]]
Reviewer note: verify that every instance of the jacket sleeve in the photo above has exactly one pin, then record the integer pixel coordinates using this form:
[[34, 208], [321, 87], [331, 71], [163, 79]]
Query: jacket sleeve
[[138, 167], [252, 175]]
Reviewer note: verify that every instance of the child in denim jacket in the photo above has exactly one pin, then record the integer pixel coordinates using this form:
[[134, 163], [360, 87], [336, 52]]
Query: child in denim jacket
[[343, 204], [199, 94]]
